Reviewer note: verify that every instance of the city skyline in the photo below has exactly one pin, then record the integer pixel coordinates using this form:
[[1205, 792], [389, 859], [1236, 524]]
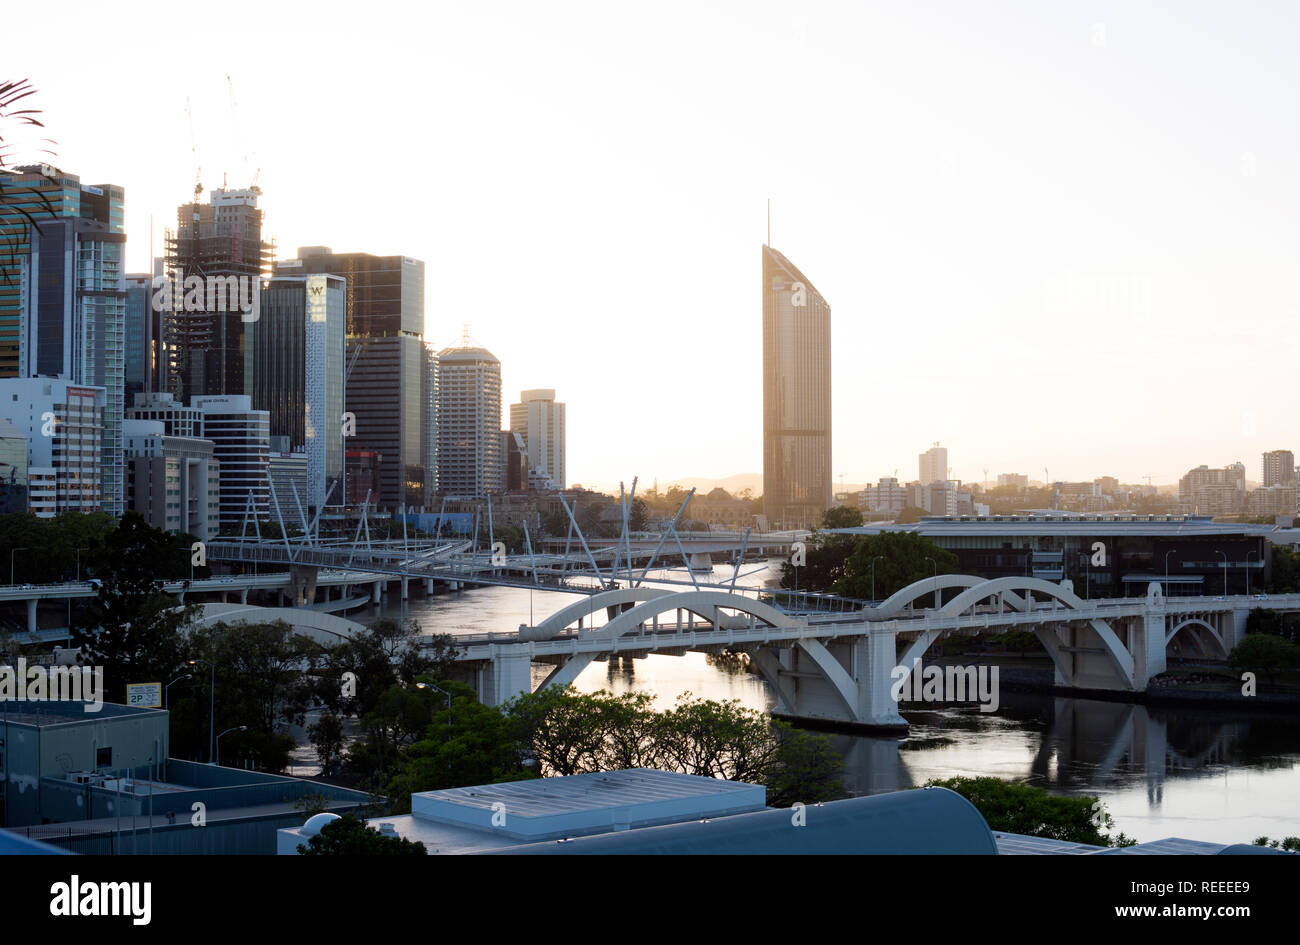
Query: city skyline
[[1008, 208]]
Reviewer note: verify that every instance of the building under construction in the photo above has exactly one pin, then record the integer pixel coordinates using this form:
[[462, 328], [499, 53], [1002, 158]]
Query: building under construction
[[221, 243]]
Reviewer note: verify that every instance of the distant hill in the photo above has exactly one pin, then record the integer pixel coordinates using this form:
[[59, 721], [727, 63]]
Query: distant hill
[[733, 484]]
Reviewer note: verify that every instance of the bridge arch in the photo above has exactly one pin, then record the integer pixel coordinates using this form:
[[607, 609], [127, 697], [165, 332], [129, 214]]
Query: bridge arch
[[571, 614], [706, 604], [896, 602], [1015, 591], [1200, 629]]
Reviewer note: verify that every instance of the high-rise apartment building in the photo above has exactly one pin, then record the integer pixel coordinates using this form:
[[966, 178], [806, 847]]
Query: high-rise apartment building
[[64, 426], [429, 420], [470, 462], [218, 253], [1279, 468], [796, 396], [1014, 480], [67, 288], [386, 362], [933, 465], [539, 419], [294, 365], [1206, 491]]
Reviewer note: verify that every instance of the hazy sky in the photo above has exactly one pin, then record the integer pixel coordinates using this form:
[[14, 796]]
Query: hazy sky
[[1052, 235]]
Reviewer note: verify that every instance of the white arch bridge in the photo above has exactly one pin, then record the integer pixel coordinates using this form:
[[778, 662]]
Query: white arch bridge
[[837, 667]]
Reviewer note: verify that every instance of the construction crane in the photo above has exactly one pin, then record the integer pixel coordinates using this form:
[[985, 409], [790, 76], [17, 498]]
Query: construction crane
[[352, 361], [194, 149], [238, 135]]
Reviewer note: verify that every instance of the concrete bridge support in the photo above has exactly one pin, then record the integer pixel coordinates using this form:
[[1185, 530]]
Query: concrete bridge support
[[505, 677], [302, 585], [845, 683], [406, 588], [377, 593], [31, 615]]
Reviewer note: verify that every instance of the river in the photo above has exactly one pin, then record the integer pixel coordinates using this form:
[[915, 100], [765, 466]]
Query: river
[[1203, 774]]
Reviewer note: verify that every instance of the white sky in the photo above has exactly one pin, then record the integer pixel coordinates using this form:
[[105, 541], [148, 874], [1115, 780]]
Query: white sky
[[1053, 235]]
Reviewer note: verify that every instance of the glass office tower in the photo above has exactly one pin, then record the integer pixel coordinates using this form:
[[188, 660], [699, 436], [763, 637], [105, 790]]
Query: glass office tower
[[387, 370], [63, 294], [294, 361], [796, 396]]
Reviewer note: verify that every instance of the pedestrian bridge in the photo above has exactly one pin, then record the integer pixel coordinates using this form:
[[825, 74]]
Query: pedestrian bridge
[[838, 667]]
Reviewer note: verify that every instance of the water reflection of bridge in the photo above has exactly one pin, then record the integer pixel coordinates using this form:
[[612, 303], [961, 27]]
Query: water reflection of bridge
[[1081, 745]]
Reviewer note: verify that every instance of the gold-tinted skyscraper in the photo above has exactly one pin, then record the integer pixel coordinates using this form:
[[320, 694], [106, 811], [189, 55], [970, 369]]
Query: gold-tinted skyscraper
[[796, 396]]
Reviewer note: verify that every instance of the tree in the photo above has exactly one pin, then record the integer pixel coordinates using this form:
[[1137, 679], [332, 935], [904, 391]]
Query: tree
[[638, 515], [132, 627], [470, 743], [1024, 809], [15, 215], [1264, 653], [570, 732], [903, 561], [389, 652], [1264, 620], [326, 736], [842, 516], [823, 565], [1286, 571], [265, 667], [349, 836], [909, 515]]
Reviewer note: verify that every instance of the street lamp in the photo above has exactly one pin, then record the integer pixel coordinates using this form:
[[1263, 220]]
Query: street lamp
[[429, 685], [935, 565], [1248, 571], [236, 728], [12, 552], [1225, 572], [873, 575], [1167, 554], [172, 683], [212, 704]]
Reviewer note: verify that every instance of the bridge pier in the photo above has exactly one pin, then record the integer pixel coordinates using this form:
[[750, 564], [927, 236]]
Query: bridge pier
[[505, 677], [406, 588], [428, 586], [1147, 644], [377, 593], [31, 614], [847, 682]]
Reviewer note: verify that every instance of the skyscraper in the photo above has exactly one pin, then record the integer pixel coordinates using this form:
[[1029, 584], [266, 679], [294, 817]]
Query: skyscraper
[[540, 420], [933, 465], [241, 444], [796, 396], [217, 249], [386, 364], [67, 289], [469, 422], [294, 365]]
